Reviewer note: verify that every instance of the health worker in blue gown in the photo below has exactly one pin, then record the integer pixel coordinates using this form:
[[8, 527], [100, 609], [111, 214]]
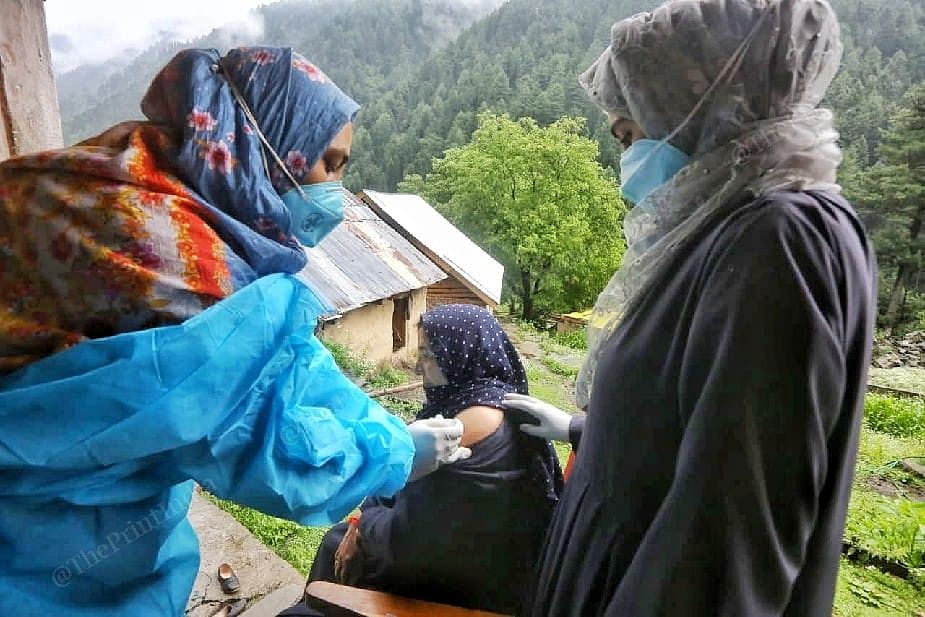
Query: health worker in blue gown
[[152, 335]]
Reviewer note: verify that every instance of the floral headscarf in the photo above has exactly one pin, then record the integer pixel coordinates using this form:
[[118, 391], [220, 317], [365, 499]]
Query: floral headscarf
[[298, 109], [736, 85], [150, 223]]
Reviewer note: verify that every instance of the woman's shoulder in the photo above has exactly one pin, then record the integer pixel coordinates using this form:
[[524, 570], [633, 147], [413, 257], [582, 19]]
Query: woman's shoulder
[[818, 210], [814, 232], [479, 421], [819, 220]]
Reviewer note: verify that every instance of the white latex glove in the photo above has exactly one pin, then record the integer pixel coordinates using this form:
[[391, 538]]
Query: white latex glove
[[436, 442], [553, 424]]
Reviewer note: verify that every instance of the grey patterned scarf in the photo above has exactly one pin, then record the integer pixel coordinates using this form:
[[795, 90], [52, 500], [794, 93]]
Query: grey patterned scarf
[[733, 83]]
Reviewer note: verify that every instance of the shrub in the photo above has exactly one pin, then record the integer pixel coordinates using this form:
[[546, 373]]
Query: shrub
[[560, 368], [357, 366], [891, 529], [895, 416], [574, 339], [384, 376], [406, 410]]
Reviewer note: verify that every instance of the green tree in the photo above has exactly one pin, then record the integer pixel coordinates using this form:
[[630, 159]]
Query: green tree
[[895, 190], [537, 199]]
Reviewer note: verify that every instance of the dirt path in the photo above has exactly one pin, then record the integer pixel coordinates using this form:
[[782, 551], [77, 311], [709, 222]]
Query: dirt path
[[222, 539], [551, 367]]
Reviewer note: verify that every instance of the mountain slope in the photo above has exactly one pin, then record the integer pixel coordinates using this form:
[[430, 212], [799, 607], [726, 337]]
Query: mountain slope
[[424, 68], [524, 59], [362, 44]]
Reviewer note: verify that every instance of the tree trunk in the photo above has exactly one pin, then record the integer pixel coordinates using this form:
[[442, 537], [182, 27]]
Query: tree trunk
[[526, 297], [513, 302], [903, 273], [896, 297]]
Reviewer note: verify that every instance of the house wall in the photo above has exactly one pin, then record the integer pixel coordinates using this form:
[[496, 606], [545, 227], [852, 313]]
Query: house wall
[[417, 308], [368, 329], [451, 291], [29, 119]]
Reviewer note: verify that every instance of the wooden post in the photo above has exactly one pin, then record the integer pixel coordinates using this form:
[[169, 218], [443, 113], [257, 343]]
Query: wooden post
[[29, 118]]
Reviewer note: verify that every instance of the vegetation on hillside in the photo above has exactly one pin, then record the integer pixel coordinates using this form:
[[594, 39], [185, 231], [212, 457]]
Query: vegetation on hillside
[[427, 69]]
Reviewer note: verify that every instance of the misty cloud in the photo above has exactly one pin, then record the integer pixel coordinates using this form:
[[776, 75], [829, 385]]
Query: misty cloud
[[249, 28], [61, 43], [119, 29]]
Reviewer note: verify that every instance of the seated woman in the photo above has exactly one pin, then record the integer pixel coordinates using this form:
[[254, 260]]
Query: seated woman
[[467, 534]]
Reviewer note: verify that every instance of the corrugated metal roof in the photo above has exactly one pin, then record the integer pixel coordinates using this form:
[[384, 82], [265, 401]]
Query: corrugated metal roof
[[364, 260], [450, 248]]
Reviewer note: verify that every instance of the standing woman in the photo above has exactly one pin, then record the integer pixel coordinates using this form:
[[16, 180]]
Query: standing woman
[[150, 336], [729, 354]]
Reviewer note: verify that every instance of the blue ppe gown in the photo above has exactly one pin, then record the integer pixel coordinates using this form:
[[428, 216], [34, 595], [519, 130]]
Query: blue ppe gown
[[100, 446]]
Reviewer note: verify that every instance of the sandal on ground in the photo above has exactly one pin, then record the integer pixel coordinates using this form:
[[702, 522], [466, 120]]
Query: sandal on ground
[[231, 608], [228, 579]]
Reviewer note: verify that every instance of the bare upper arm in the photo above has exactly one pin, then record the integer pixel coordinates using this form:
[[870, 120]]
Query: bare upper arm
[[479, 422]]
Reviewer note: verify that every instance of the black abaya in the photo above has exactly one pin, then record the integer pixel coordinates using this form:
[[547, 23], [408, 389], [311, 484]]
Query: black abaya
[[467, 534], [716, 463]]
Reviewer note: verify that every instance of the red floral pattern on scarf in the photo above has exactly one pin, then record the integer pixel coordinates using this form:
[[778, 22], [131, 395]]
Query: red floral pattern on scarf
[[312, 71], [115, 244], [297, 163], [218, 156], [263, 56], [201, 120]]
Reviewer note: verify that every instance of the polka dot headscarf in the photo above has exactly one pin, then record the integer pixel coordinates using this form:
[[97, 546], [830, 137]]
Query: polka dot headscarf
[[480, 365], [476, 357]]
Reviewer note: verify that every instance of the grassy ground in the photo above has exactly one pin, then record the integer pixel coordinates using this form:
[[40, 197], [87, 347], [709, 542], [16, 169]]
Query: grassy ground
[[886, 533], [886, 518], [293, 542], [865, 591]]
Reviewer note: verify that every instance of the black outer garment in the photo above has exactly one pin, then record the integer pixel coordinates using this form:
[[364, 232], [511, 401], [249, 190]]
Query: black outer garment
[[576, 427], [715, 469], [468, 534]]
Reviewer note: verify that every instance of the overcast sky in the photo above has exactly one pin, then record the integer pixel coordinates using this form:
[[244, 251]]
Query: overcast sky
[[92, 31]]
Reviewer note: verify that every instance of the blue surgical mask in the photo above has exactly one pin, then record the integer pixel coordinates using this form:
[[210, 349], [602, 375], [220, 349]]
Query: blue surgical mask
[[647, 165], [317, 213]]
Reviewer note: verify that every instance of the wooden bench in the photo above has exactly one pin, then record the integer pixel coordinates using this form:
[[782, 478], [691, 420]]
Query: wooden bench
[[340, 601]]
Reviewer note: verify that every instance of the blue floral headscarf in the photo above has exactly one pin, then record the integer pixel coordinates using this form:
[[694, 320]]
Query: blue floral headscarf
[[297, 107]]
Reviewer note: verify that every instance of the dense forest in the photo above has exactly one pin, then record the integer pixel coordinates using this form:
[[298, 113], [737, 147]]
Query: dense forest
[[366, 46], [425, 69]]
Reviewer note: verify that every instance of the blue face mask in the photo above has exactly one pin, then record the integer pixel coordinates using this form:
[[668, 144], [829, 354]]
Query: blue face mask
[[646, 165], [318, 213]]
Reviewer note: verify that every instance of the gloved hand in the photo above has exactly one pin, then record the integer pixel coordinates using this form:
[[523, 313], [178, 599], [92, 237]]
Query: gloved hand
[[436, 442], [553, 424]]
